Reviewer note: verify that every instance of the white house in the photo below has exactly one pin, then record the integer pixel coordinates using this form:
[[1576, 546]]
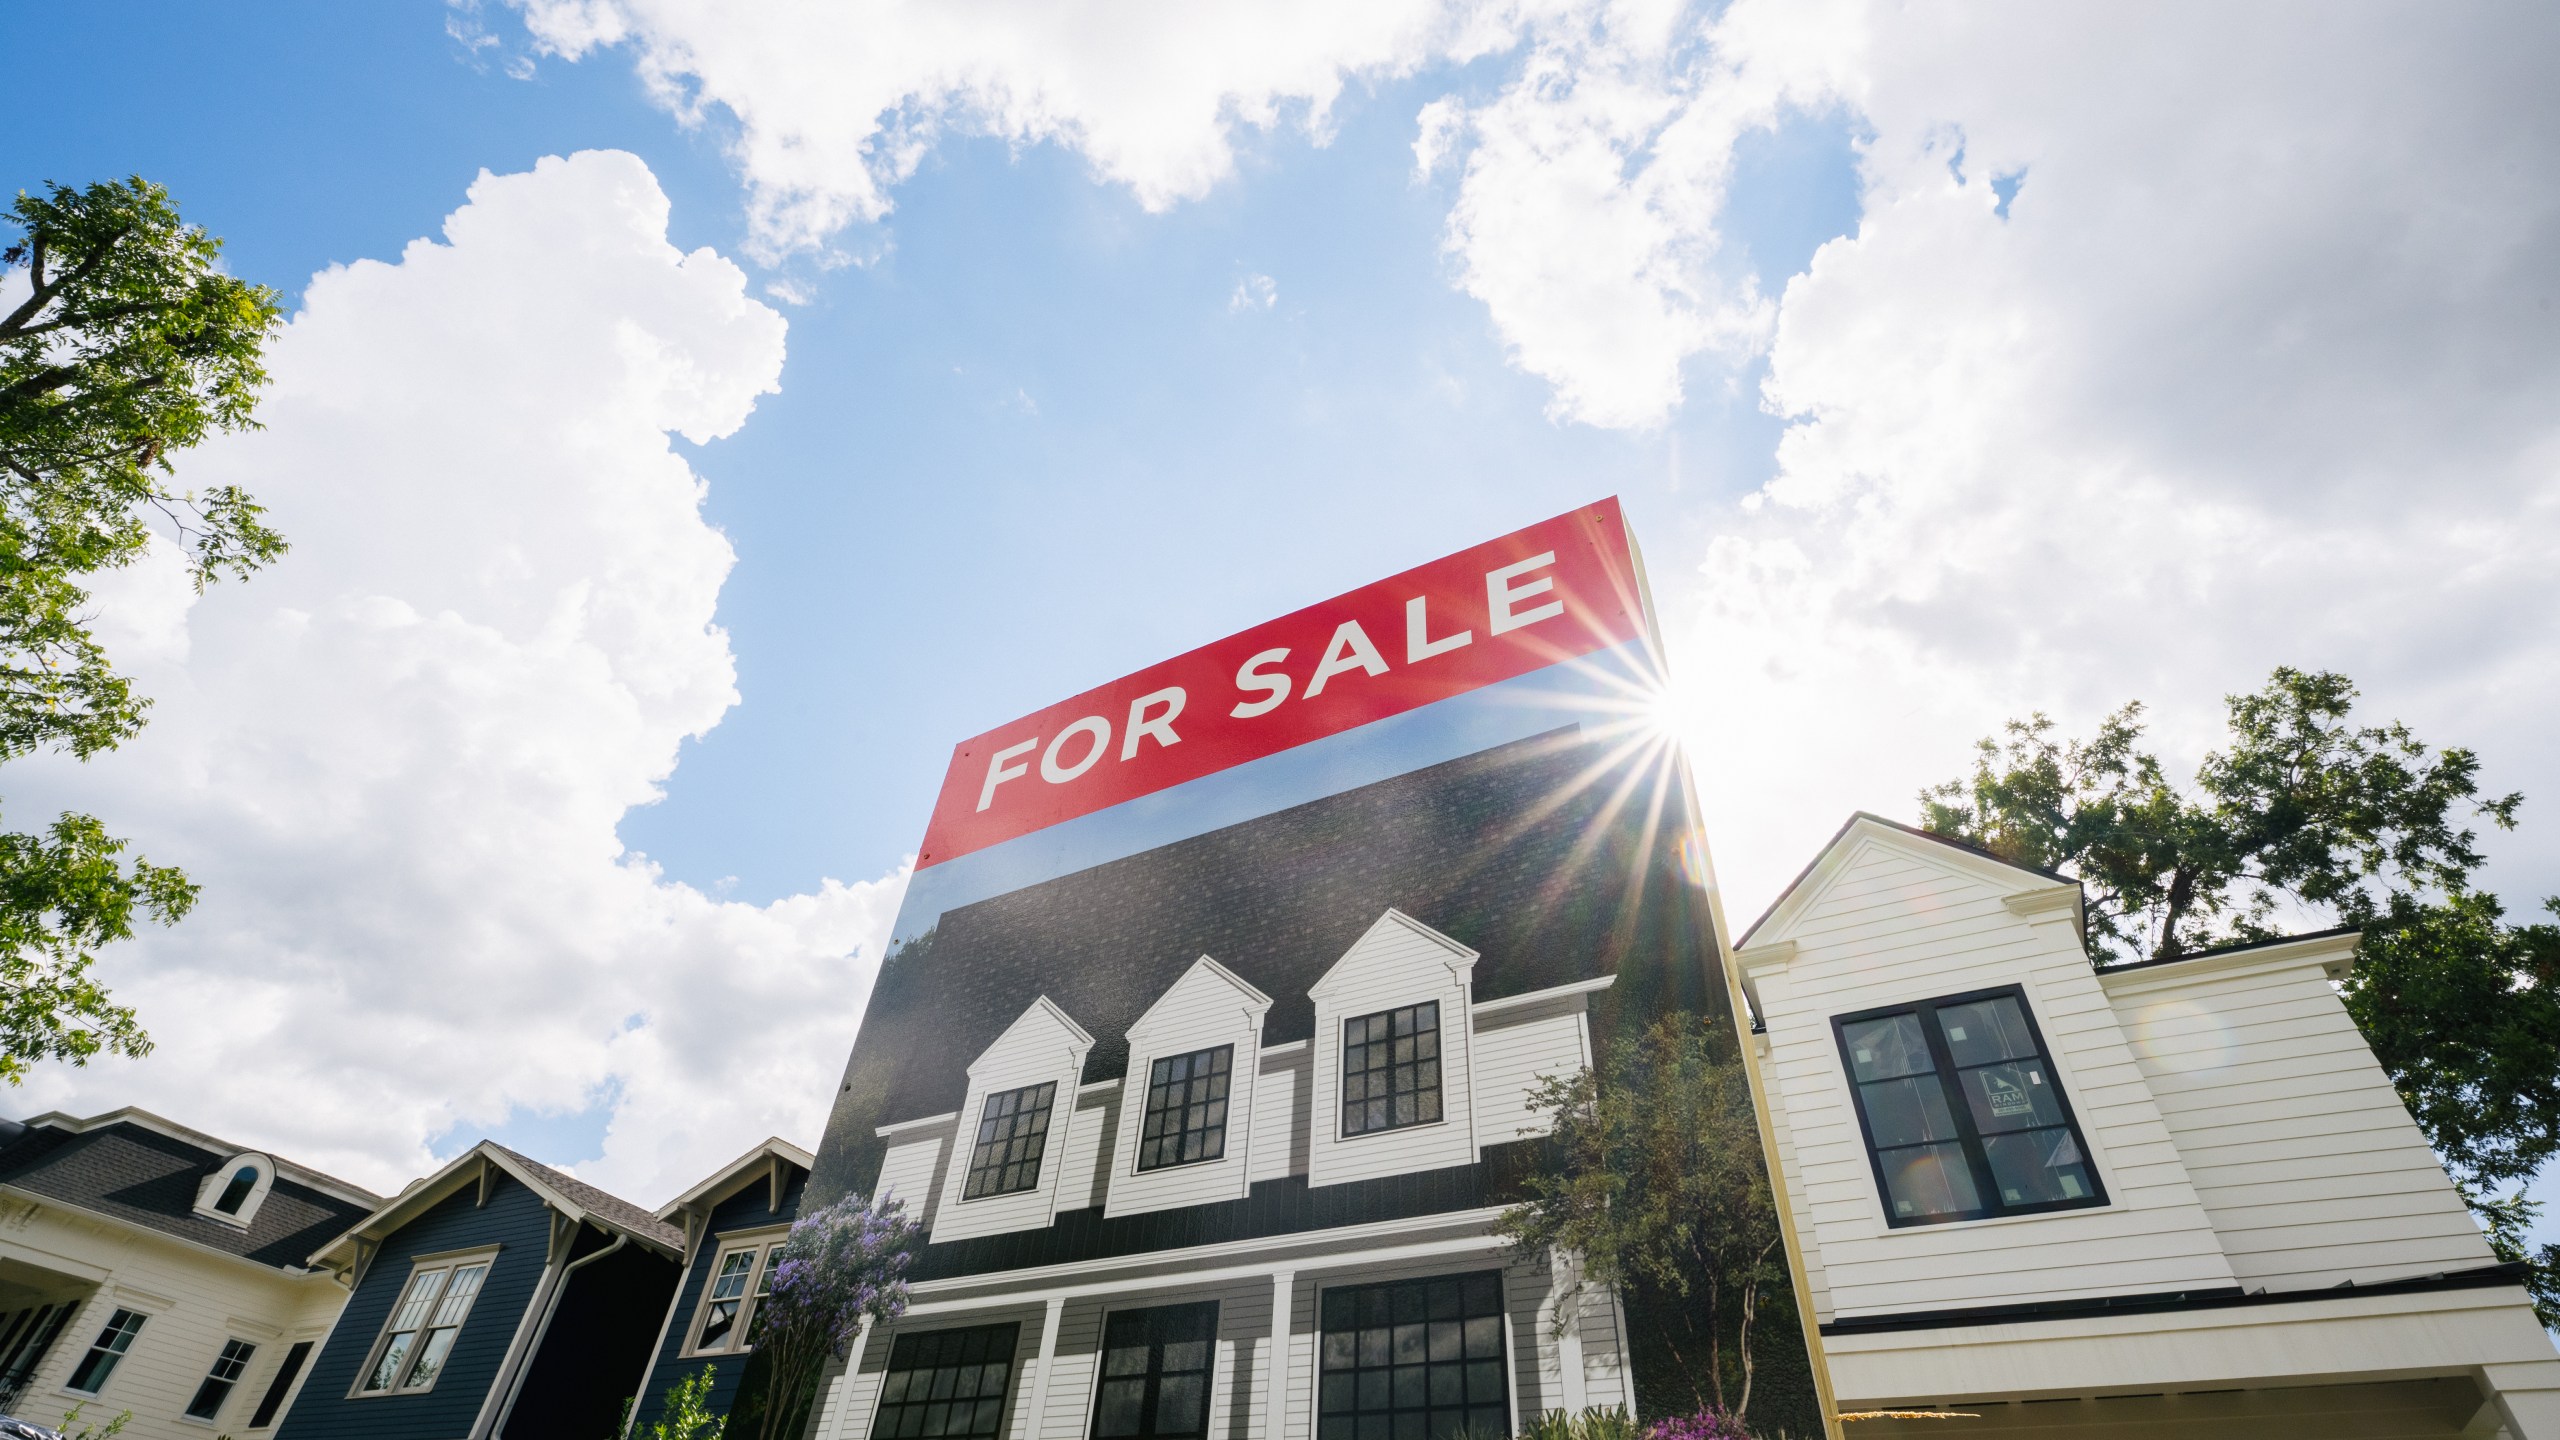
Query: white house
[[151, 1268], [1107, 1256], [2165, 1199]]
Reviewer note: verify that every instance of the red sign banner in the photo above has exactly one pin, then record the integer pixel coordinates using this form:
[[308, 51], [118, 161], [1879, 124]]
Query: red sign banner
[[1555, 591]]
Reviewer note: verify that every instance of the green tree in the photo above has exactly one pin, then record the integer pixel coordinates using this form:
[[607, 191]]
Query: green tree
[[2308, 819], [1654, 1179], [125, 346]]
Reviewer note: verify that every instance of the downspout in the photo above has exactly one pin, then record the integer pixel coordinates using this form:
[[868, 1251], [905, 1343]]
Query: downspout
[[550, 1306], [658, 1346]]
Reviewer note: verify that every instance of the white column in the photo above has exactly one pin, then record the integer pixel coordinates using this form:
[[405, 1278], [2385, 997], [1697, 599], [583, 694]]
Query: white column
[[1029, 1429], [1572, 1385], [1275, 1368]]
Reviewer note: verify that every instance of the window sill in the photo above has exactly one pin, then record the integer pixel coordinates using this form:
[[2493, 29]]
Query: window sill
[[1885, 1223], [1342, 1139], [739, 1353]]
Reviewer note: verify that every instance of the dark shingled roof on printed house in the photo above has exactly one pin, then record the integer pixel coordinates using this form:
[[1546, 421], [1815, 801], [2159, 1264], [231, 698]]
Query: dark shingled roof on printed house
[[141, 1170], [1552, 874]]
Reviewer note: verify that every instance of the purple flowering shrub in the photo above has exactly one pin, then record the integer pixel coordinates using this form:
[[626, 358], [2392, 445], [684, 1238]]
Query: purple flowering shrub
[[1712, 1423], [842, 1265]]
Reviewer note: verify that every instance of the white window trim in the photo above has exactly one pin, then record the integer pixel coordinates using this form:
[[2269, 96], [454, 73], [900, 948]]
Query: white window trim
[[761, 1243], [1341, 1054], [115, 1303], [1044, 1174], [441, 1260], [1229, 1130], [220, 1180], [256, 1348]]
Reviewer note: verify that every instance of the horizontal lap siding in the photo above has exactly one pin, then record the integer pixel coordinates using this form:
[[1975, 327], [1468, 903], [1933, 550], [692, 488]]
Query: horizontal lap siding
[[1893, 927], [1510, 1059], [1391, 967], [1280, 1120], [909, 1170], [2301, 1151], [750, 1208], [1202, 1010]]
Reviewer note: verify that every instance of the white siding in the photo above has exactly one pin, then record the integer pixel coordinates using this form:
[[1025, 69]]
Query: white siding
[[1888, 919], [1205, 1008], [1280, 1118], [1042, 1045], [2301, 1151], [1513, 1051], [1088, 1155], [1816, 1280], [1398, 962], [912, 1171]]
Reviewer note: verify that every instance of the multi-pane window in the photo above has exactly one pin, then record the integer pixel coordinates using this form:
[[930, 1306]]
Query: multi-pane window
[[1186, 1108], [1012, 1134], [228, 1367], [1963, 1115], [1155, 1373], [106, 1352], [281, 1386], [947, 1383], [423, 1326], [740, 1280], [1391, 1069], [1413, 1360]]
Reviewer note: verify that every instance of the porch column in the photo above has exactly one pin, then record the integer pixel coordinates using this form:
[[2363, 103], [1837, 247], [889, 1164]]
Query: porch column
[[1030, 1428], [1573, 1385], [1275, 1369]]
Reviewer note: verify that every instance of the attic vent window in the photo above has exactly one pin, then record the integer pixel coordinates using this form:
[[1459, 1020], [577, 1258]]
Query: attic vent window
[[236, 1194], [1013, 1132], [1962, 1113]]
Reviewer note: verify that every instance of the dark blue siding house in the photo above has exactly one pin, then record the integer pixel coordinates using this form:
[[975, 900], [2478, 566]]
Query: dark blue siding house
[[498, 1299], [733, 1226]]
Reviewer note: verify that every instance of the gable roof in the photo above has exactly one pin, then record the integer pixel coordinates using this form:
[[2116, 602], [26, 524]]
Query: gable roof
[[132, 1166], [729, 1179], [1531, 853], [566, 1194], [1253, 998], [1974, 856], [1458, 958]]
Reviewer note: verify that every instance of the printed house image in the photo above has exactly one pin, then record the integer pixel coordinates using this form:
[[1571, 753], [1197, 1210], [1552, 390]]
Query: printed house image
[[495, 1298], [1207, 1140], [151, 1268], [733, 1225], [2176, 1198]]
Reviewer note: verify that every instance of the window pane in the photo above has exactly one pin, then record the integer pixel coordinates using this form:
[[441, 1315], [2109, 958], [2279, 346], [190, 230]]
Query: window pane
[[2039, 1166], [226, 1372], [395, 1353], [1883, 1049], [2011, 1097], [1391, 1069], [1013, 1132], [1186, 1116], [418, 1299], [1908, 1111], [105, 1351], [457, 1295], [1416, 1357], [948, 1383], [1981, 1031], [1927, 1180], [431, 1357]]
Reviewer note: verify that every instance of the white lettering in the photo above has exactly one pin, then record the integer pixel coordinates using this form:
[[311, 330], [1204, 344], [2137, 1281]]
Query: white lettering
[[1159, 726], [1418, 644], [999, 772], [1350, 650], [1093, 725], [1250, 677], [1500, 594]]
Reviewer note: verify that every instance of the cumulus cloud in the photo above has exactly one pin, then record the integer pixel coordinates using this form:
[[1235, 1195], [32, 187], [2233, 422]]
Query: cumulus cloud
[[396, 761]]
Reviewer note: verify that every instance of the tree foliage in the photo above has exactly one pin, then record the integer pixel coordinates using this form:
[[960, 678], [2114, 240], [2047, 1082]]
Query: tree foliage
[[842, 1265], [1655, 1178], [2305, 819], [126, 346]]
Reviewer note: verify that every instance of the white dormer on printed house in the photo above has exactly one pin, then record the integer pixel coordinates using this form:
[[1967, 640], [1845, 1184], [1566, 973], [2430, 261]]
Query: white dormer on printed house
[[1394, 1041], [1008, 1149], [1185, 1132]]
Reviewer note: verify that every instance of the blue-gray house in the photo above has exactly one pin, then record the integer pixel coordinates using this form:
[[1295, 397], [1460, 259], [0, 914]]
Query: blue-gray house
[[733, 1225], [497, 1299]]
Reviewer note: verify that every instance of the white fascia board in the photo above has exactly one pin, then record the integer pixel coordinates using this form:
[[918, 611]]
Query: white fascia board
[[1539, 997], [704, 1193], [928, 1122], [2334, 954], [1158, 1268]]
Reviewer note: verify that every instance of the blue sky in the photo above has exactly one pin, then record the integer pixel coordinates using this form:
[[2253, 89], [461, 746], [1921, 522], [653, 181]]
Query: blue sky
[[1944, 374]]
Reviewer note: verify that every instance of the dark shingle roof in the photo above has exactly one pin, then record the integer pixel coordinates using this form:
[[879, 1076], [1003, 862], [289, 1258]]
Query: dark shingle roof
[[128, 1171], [604, 1205], [1553, 874]]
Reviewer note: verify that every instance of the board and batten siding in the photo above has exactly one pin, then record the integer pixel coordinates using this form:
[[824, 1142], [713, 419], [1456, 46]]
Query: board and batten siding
[[519, 1224], [1400, 961], [1887, 918], [2302, 1153]]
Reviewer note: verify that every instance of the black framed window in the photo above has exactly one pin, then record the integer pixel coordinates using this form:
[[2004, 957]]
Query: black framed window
[[228, 1367], [1413, 1360], [1186, 1108], [1962, 1113], [1013, 1132], [1391, 1069], [1155, 1373], [947, 1383]]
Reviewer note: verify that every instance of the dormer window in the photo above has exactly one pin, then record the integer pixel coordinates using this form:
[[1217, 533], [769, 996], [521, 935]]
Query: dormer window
[[236, 1193], [1186, 1121], [1391, 1069], [235, 1189], [1013, 1132]]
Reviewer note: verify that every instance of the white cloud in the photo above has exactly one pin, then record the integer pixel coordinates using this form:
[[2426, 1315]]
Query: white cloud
[[396, 760], [1253, 292]]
